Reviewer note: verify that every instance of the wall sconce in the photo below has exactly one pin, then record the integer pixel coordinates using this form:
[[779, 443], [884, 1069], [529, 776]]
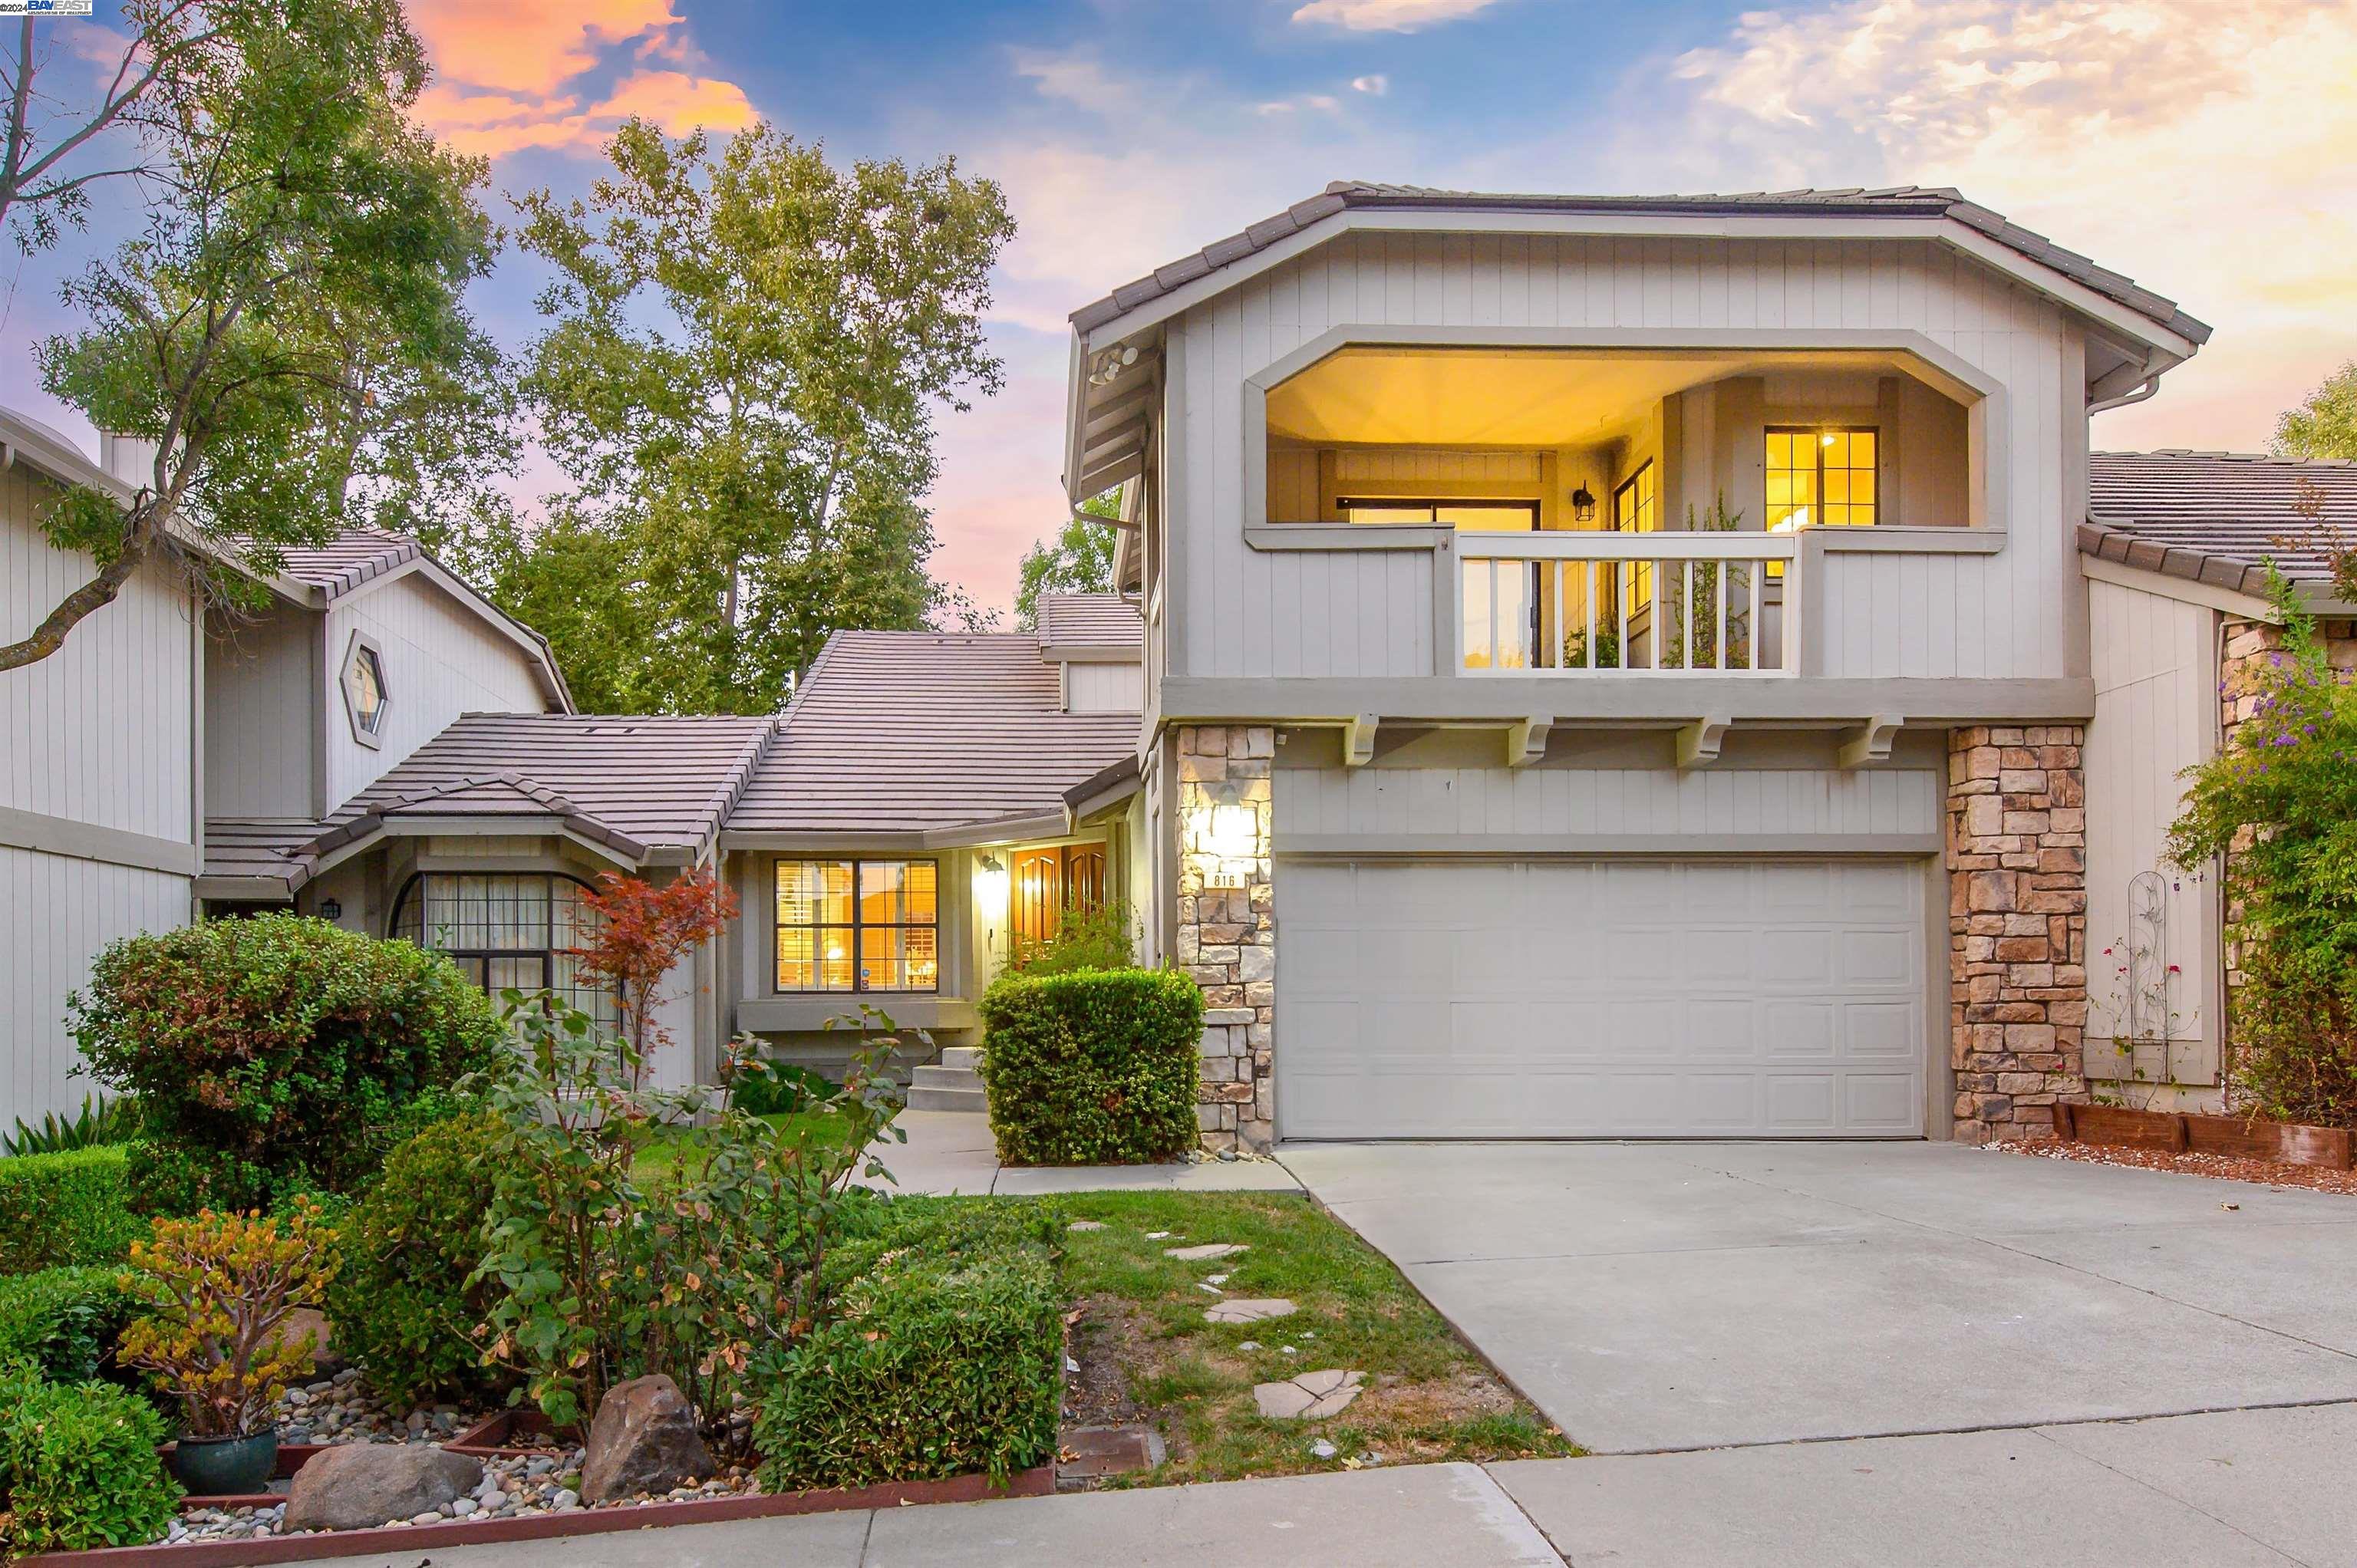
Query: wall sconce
[[329, 909], [1583, 505], [1225, 841], [990, 896]]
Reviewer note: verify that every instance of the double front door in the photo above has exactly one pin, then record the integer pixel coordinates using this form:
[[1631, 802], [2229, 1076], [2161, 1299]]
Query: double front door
[[1046, 882]]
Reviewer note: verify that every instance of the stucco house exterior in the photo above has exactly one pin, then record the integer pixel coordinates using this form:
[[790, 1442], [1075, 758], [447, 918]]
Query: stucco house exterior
[[1582, 667]]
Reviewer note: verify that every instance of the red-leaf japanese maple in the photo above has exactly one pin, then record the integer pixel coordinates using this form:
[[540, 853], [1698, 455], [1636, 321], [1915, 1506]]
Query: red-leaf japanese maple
[[642, 931]]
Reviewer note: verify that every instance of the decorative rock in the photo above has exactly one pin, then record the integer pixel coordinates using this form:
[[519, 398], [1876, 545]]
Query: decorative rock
[[1249, 1345], [1312, 1396], [1322, 1449], [567, 1498], [310, 1320], [1204, 1254], [427, 1516], [643, 1440], [1250, 1310], [358, 1486], [1085, 1225]]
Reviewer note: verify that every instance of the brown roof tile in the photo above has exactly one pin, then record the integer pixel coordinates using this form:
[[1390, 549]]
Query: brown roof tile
[[908, 731], [1089, 620], [2218, 516]]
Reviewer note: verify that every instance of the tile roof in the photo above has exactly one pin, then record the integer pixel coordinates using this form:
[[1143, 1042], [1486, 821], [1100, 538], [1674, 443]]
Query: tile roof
[[244, 847], [1905, 201], [2216, 516], [1089, 620], [349, 560], [914, 731]]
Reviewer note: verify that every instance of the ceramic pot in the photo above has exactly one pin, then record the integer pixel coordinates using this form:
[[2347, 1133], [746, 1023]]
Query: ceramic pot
[[226, 1466]]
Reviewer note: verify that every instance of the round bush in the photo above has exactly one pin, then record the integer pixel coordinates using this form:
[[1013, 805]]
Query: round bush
[[279, 1042], [400, 1305], [80, 1465], [1096, 1067]]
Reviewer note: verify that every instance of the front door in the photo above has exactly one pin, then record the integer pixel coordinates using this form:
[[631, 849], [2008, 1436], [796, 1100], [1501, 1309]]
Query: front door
[[1049, 881]]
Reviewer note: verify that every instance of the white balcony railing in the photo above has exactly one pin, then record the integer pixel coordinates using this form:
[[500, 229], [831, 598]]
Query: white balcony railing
[[1639, 604]]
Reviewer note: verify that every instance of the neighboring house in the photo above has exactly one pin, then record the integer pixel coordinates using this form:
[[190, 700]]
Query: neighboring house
[[1665, 667], [137, 760]]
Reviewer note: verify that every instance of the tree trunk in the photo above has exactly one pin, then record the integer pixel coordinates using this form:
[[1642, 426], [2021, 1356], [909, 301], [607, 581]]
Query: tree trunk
[[83, 602]]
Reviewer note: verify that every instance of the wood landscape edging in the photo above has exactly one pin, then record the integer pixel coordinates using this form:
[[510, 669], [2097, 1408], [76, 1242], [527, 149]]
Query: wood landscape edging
[[1037, 1482], [2182, 1133]]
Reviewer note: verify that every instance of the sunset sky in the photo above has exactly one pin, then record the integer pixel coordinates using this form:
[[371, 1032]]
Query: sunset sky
[[2207, 149]]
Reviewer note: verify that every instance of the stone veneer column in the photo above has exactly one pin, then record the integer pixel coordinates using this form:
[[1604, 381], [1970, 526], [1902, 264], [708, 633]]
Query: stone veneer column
[[2017, 925], [1226, 938]]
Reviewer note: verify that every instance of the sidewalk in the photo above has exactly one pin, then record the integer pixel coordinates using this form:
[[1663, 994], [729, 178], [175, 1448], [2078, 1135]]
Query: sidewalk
[[2258, 1486], [951, 1151]]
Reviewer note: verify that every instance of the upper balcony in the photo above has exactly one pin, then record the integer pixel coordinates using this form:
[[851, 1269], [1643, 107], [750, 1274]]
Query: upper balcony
[[1610, 513]]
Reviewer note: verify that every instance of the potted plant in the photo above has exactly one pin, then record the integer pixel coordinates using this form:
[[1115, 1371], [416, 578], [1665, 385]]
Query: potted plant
[[220, 1289]]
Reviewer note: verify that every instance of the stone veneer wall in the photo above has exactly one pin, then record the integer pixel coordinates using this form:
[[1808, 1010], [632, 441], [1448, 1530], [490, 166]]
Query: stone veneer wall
[[1226, 936], [2249, 647], [2017, 925]]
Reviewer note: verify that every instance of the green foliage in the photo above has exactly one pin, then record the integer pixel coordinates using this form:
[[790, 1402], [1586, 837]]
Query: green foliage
[[707, 1266], [401, 1304], [65, 1320], [2325, 422], [1700, 609], [286, 326], [79, 1465], [219, 1290], [1079, 562], [101, 1120], [2278, 803], [1096, 1067], [744, 352], [275, 1051], [761, 1088], [945, 1357], [65, 1208], [1083, 938], [1575, 648]]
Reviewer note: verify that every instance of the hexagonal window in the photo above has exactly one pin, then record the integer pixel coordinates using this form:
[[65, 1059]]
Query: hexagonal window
[[366, 697]]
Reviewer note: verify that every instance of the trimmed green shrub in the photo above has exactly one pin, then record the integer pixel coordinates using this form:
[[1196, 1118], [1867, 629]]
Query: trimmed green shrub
[[278, 1043], [400, 1305], [1096, 1067], [64, 1208], [65, 1320], [767, 1089], [1083, 938], [79, 1464], [943, 1357]]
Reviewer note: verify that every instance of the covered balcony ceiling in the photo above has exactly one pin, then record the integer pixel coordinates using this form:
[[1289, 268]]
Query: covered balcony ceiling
[[1539, 397]]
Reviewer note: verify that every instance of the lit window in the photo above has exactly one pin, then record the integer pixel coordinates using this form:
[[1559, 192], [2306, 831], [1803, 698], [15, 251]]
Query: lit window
[[507, 931], [1822, 476], [857, 925], [1634, 511], [1483, 516]]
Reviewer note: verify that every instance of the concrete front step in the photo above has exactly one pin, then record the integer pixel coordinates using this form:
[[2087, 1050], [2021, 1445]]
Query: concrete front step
[[965, 1058], [973, 1100]]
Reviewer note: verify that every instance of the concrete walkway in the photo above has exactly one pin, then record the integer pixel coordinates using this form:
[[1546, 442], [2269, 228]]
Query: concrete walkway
[[1667, 1296], [951, 1151], [2244, 1487]]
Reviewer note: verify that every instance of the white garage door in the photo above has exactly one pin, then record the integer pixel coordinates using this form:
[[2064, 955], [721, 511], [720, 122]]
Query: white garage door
[[1623, 998]]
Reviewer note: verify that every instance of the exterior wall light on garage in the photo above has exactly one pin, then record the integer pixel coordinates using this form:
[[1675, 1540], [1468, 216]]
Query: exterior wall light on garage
[[1226, 840]]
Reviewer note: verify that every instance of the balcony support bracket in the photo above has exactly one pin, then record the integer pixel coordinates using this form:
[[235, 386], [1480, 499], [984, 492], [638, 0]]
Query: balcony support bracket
[[1698, 742], [1527, 740], [1869, 745], [1359, 741]]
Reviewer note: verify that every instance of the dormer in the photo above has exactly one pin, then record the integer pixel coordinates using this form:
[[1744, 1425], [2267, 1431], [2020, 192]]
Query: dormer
[[1093, 639]]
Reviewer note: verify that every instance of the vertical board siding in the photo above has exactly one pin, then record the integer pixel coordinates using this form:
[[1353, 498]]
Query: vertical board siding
[[100, 731], [1928, 617], [441, 661], [1636, 800], [2156, 716], [260, 728]]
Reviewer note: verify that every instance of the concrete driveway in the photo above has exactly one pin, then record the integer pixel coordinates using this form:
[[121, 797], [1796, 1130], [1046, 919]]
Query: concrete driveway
[[1654, 1297]]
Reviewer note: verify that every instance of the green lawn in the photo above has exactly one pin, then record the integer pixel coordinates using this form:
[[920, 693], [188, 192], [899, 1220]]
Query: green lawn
[[1142, 1333], [661, 1155]]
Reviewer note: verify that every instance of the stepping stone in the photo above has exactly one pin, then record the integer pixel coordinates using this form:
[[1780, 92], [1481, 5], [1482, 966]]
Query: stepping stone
[[1204, 1254], [1085, 1225], [1312, 1396], [1250, 1310]]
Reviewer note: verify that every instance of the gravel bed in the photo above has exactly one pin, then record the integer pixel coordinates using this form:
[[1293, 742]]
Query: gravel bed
[[2219, 1167], [339, 1410]]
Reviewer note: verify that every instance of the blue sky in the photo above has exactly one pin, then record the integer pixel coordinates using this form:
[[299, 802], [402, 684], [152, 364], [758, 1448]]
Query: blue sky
[[2208, 151]]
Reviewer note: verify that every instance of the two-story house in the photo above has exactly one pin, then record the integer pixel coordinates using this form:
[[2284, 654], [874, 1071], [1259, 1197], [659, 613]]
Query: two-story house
[[1662, 667], [1620, 666]]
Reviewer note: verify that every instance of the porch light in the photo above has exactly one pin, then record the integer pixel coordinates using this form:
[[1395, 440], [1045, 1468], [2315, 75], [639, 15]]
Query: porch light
[[1224, 841], [1583, 505], [990, 895]]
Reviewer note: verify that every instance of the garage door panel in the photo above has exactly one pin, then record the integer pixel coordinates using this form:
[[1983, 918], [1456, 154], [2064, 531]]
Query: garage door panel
[[1601, 998]]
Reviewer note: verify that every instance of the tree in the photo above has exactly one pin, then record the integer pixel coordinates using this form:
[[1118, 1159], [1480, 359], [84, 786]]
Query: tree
[[745, 350], [639, 933], [2325, 424], [1079, 562], [307, 247], [40, 186]]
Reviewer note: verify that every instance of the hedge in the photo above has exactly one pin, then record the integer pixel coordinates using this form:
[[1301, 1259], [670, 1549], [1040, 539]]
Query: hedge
[[1096, 1066], [79, 1467], [943, 1357], [65, 1320], [65, 1208]]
